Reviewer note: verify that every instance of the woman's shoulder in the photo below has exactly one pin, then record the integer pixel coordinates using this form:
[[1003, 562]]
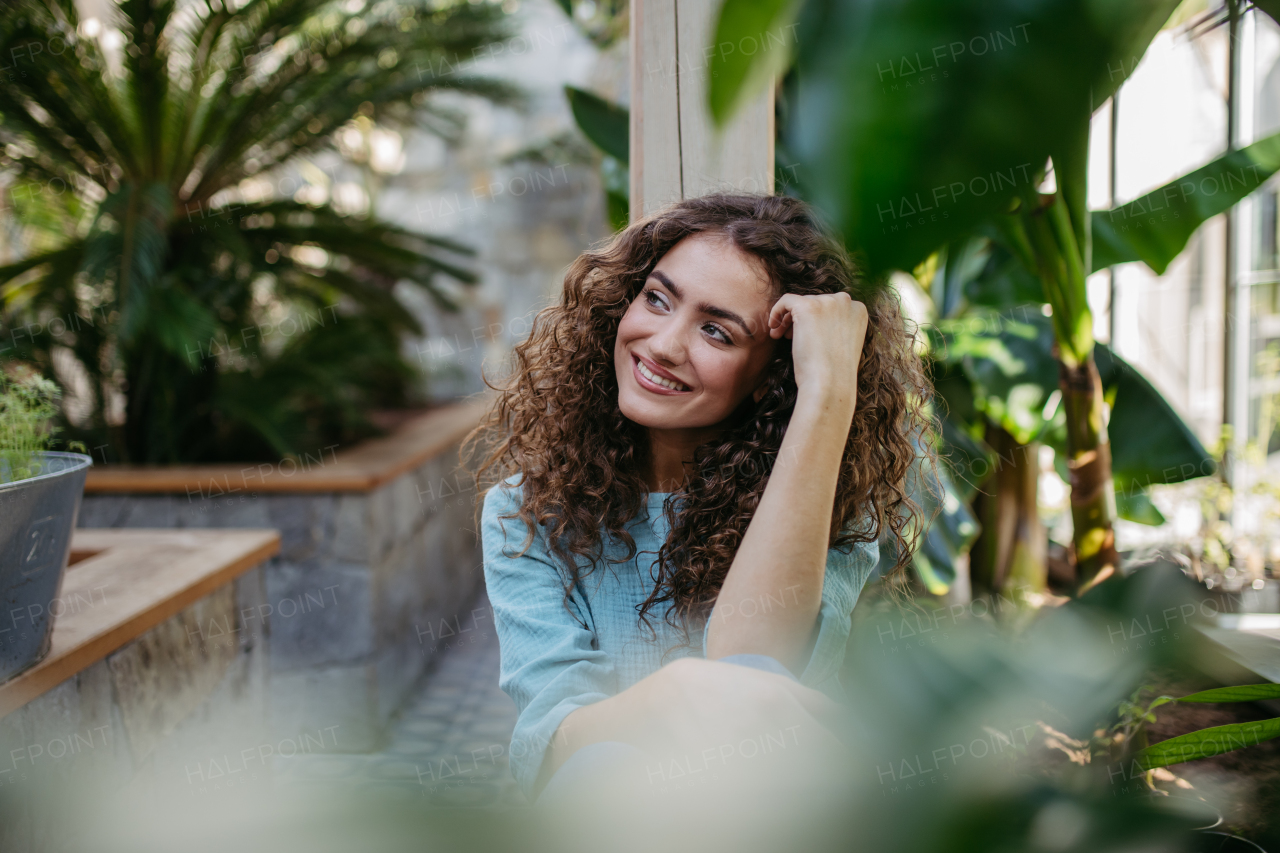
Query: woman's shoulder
[[503, 498], [502, 530], [864, 549], [863, 527]]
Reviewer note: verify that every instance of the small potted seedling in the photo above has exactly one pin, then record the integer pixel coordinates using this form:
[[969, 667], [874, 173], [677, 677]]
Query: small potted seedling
[[40, 493]]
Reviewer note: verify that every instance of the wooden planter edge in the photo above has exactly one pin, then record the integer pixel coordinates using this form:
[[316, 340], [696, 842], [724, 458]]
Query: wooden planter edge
[[362, 468]]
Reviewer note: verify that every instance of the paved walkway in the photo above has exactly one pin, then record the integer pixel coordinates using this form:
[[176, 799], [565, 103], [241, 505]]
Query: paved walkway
[[448, 746]]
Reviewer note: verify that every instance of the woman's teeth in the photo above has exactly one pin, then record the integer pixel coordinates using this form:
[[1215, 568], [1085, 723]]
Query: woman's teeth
[[658, 380]]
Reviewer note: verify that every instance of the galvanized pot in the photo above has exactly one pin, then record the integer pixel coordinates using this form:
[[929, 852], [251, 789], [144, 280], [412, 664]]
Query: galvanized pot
[[37, 515]]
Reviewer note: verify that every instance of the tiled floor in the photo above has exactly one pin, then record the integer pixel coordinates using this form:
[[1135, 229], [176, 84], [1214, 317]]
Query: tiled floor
[[448, 747]]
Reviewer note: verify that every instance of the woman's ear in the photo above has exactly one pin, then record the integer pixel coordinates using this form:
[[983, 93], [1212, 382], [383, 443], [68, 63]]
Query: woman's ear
[[758, 394]]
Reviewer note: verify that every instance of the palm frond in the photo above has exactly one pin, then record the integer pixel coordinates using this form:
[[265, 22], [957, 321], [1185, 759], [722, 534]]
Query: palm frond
[[156, 247]]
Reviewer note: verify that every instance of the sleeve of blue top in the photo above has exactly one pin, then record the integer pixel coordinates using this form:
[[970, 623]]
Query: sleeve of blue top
[[550, 666], [846, 574]]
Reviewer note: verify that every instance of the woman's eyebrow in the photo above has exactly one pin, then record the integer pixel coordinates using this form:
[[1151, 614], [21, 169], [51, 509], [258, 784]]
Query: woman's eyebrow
[[704, 307]]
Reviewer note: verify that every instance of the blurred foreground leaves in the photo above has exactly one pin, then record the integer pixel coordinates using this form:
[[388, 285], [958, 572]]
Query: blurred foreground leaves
[[974, 728]]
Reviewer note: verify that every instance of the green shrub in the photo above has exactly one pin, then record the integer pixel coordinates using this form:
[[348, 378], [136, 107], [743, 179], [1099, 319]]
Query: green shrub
[[27, 407]]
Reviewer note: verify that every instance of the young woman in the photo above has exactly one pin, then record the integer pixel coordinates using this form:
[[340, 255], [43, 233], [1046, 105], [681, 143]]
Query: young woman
[[698, 449]]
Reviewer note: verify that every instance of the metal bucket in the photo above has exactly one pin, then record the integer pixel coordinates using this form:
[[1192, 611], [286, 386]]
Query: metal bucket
[[37, 516]]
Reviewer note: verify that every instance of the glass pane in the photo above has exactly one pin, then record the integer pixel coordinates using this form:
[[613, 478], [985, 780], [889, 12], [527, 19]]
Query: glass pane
[[1173, 119], [1260, 292], [1264, 377], [1173, 108]]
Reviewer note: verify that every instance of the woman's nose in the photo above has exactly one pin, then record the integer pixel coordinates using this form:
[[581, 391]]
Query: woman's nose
[[667, 344]]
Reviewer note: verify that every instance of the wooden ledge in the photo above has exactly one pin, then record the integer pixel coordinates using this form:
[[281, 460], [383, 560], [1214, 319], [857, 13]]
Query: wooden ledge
[[362, 468], [126, 582]]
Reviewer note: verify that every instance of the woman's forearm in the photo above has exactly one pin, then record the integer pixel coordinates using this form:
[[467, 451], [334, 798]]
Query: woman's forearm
[[770, 599]]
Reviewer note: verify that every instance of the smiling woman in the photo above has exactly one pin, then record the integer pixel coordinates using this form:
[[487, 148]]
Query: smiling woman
[[684, 359], [718, 416]]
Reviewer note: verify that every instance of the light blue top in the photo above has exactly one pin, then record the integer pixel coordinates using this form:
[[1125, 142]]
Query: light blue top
[[552, 665]]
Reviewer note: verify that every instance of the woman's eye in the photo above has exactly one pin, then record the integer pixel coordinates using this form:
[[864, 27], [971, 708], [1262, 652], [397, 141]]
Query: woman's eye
[[719, 333], [652, 297]]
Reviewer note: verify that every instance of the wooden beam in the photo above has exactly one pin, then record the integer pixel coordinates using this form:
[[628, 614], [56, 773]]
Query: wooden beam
[[676, 152]]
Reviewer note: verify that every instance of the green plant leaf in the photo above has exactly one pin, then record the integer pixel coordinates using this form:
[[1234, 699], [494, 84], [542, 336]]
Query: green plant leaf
[[947, 528], [606, 124], [736, 73], [1155, 228], [1243, 693], [1206, 742], [1009, 360], [1004, 283], [917, 120], [959, 265], [1271, 7], [1137, 506], [965, 456], [617, 191], [1150, 443], [181, 324], [951, 533]]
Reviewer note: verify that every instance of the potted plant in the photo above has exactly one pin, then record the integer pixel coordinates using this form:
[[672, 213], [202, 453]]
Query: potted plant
[[39, 498]]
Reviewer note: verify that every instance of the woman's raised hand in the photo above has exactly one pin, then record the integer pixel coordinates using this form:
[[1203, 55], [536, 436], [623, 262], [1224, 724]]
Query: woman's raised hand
[[827, 331]]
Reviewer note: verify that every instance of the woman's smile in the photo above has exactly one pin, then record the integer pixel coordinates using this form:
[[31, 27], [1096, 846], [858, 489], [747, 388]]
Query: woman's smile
[[653, 378]]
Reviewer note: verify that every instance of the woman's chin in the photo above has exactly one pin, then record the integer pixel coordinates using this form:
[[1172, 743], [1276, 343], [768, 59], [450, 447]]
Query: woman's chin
[[645, 417], [651, 415]]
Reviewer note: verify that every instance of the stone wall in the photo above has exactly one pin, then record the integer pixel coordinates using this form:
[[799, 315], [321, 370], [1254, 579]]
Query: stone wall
[[359, 576], [162, 711]]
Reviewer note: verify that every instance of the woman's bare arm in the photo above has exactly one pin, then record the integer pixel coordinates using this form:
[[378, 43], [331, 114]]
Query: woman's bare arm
[[783, 555]]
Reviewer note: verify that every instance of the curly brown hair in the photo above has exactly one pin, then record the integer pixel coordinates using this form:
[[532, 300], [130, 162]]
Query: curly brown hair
[[556, 419]]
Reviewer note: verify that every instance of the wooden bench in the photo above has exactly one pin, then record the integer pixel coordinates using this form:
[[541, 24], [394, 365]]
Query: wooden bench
[[136, 685], [122, 583]]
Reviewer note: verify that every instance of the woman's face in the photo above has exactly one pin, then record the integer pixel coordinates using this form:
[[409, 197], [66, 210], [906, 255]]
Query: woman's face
[[695, 342]]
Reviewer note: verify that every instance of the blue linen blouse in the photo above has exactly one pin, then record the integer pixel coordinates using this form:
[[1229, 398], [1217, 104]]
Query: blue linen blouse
[[551, 665]]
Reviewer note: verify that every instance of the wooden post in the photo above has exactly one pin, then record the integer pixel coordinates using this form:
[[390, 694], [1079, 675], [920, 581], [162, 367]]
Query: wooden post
[[676, 152]]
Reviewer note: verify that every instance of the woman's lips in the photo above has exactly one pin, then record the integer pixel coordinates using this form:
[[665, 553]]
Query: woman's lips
[[648, 384]]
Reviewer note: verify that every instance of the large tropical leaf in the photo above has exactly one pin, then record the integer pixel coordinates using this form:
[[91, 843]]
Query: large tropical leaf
[[605, 123], [1150, 443], [1136, 505], [1155, 228], [1004, 283], [608, 126], [1206, 742], [1271, 7], [1001, 367], [753, 43], [947, 538], [947, 529], [1241, 693], [1008, 361], [947, 131]]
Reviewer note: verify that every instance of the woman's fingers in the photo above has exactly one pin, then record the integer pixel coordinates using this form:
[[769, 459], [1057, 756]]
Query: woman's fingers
[[782, 314], [778, 317]]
